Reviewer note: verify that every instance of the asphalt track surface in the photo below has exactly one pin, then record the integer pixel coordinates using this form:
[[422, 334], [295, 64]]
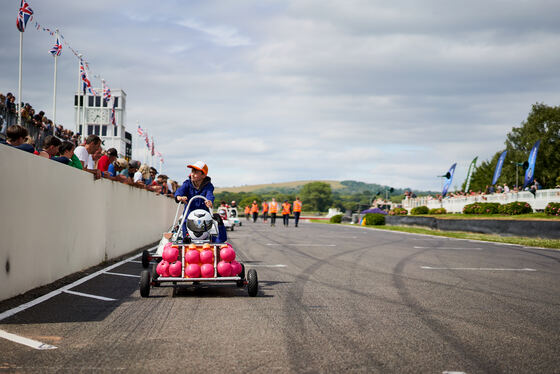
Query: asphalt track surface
[[332, 299]]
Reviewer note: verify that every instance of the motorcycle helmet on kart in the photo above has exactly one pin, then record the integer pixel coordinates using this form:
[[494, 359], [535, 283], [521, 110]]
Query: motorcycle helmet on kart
[[199, 222]]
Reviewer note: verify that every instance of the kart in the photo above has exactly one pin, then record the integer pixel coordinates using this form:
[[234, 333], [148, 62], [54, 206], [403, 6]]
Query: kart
[[234, 216], [150, 278], [228, 223]]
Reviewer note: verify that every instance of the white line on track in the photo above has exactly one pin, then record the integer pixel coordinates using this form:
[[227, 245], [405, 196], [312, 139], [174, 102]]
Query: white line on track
[[25, 341], [89, 295], [266, 266], [304, 244], [122, 274], [453, 248], [478, 269], [137, 261], [11, 312]]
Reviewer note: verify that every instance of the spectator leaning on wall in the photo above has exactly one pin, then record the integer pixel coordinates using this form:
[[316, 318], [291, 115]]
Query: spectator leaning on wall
[[85, 153], [50, 147], [15, 137], [66, 151], [106, 160]]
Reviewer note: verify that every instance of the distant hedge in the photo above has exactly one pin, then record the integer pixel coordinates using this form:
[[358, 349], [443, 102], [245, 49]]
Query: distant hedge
[[438, 211], [374, 219], [336, 219], [419, 210], [398, 212], [552, 209], [482, 208], [515, 207]]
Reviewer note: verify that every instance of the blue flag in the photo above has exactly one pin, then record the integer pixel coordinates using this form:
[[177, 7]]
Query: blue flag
[[498, 170], [530, 173], [448, 182]]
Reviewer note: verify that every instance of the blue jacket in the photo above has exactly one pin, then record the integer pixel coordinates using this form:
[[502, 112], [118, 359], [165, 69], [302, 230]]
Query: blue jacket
[[187, 189], [207, 190]]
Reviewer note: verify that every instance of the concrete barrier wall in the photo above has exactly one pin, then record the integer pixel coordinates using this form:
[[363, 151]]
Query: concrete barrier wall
[[56, 220], [526, 228]]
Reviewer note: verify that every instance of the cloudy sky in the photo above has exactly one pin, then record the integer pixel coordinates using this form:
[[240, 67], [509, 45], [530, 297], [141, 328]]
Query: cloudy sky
[[272, 91]]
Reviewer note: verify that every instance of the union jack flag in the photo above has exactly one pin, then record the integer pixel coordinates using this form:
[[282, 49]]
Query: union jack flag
[[25, 14], [140, 131], [159, 154], [85, 80], [153, 148], [147, 139], [106, 92], [113, 117], [57, 48]]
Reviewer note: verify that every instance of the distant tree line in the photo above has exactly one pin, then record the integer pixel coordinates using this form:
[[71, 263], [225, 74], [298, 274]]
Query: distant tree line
[[319, 196], [543, 123]]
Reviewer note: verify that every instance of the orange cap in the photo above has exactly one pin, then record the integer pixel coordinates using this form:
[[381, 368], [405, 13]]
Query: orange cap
[[199, 165]]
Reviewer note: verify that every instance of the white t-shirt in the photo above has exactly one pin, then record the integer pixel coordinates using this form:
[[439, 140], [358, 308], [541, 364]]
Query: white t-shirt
[[137, 176], [83, 155]]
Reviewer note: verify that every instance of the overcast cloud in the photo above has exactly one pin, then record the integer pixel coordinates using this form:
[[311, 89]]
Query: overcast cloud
[[272, 91]]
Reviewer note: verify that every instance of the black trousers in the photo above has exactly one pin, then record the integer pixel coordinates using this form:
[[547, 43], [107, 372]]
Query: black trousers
[[286, 218], [296, 217], [272, 219], [255, 216], [265, 216]]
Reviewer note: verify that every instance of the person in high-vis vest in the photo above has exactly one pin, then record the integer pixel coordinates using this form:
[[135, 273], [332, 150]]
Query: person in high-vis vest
[[297, 210], [286, 207], [247, 212], [265, 211], [255, 210], [273, 209]]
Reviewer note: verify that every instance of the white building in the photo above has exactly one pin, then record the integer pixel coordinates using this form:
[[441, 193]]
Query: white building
[[95, 118]]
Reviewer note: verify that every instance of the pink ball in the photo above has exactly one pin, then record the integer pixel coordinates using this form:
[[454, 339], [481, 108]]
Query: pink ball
[[235, 268], [175, 269], [207, 271], [227, 254], [224, 268], [168, 245], [163, 268], [193, 271], [170, 254], [207, 256], [192, 256]]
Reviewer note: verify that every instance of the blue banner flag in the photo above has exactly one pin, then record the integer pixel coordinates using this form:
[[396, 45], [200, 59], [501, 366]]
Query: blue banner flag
[[530, 173], [498, 170], [449, 176]]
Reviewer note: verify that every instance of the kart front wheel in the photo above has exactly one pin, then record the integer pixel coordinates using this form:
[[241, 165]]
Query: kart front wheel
[[145, 283], [145, 259], [252, 283]]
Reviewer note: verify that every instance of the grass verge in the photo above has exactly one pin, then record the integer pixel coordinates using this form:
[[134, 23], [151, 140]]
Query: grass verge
[[523, 241]]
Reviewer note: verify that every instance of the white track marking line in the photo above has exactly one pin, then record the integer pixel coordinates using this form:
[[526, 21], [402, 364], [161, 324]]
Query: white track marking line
[[25, 341], [454, 372], [456, 249], [138, 262], [479, 269], [267, 266], [122, 274], [89, 295], [307, 245], [11, 312]]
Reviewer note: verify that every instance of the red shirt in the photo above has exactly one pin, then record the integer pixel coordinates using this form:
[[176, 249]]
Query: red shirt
[[103, 163]]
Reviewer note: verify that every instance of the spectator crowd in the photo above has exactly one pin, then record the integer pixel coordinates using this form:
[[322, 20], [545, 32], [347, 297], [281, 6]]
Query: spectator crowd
[[38, 135]]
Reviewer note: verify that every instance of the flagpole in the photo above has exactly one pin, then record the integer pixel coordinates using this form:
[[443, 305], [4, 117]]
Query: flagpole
[[19, 82], [54, 93], [78, 96]]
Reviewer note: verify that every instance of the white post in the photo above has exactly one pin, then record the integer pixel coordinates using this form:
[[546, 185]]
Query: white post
[[19, 82], [78, 96], [54, 90]]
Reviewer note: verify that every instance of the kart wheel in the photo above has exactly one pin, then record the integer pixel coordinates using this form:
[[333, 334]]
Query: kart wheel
[[232, 226], [145, 283], [252, 283], [240, 223], [145, 259]]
